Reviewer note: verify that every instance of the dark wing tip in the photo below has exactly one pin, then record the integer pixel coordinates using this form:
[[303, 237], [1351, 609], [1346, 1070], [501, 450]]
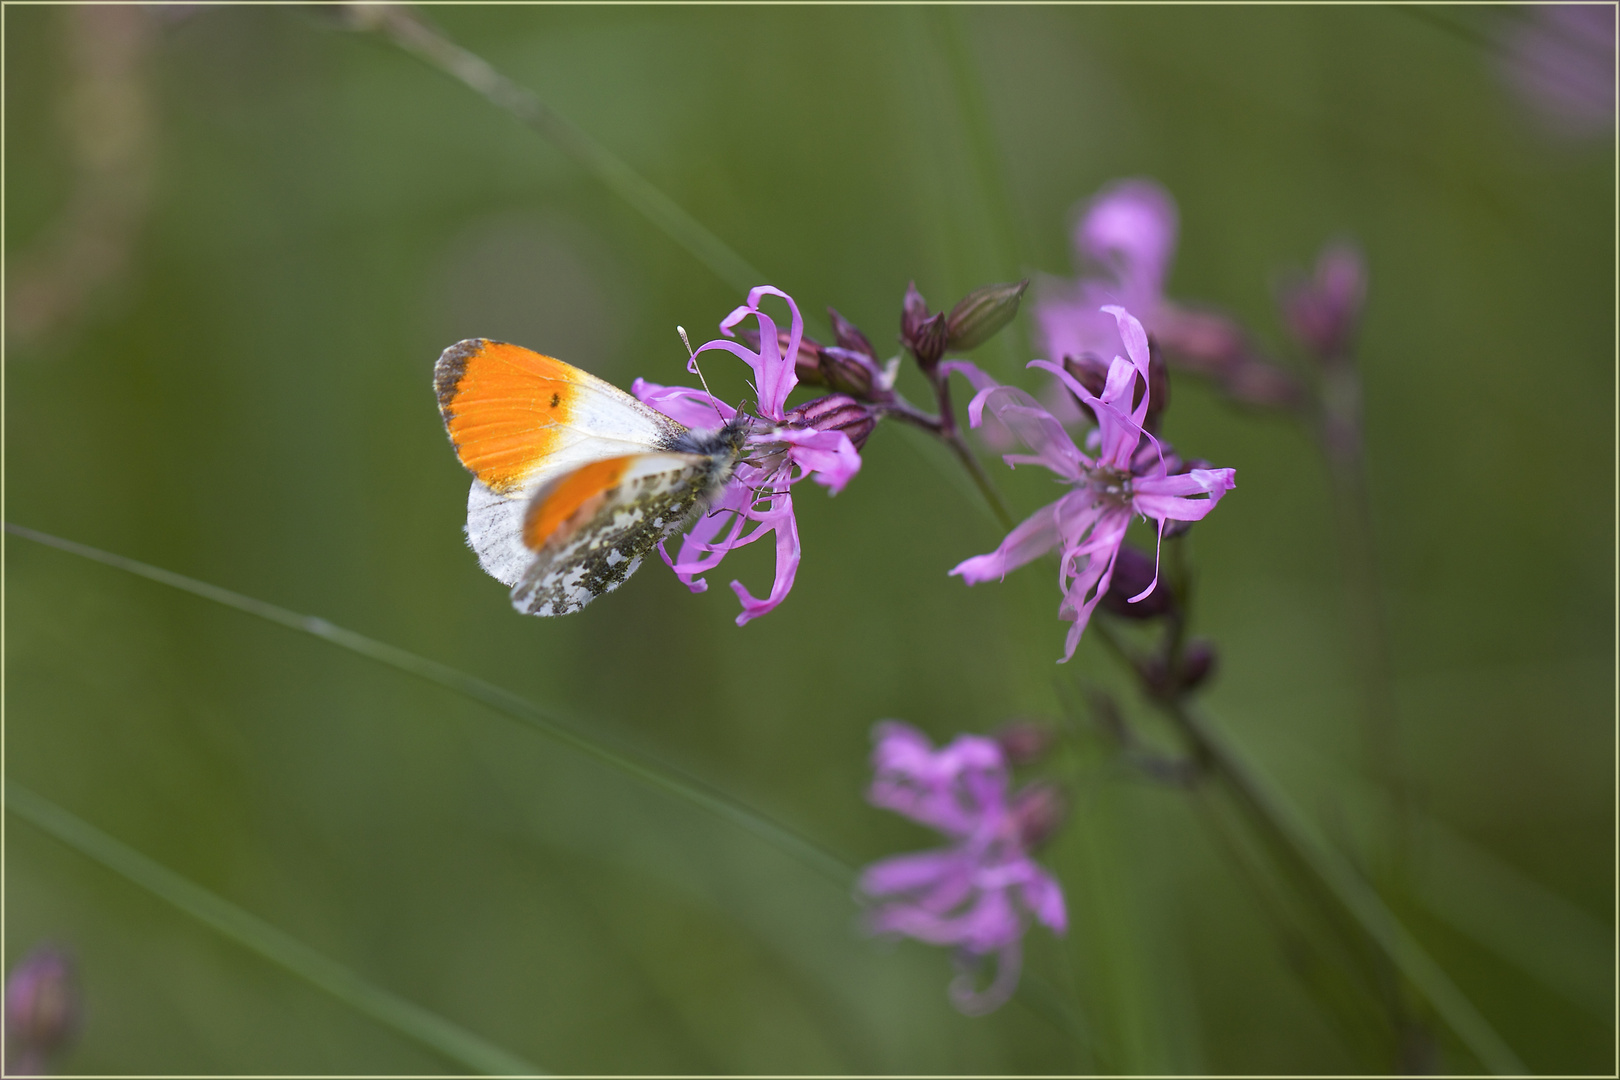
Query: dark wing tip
[[451, 366]]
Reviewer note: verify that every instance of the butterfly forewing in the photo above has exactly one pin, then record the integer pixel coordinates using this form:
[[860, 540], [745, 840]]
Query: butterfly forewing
[[518, 419], [589, 531]]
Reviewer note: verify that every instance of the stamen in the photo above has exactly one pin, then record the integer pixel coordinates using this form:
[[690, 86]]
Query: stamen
[[691, 358]]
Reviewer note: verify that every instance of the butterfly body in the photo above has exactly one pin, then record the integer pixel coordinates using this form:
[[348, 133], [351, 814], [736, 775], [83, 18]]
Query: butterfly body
[[574, 480]]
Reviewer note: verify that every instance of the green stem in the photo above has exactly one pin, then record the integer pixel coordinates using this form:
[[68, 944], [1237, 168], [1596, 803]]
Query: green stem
[[447, 1038], [1339, 434], [1335, 884]]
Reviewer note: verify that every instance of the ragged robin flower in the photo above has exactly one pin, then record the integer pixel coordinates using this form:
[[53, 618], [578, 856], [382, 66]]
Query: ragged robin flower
[[1129, 476], [782, 447], [980, 893]]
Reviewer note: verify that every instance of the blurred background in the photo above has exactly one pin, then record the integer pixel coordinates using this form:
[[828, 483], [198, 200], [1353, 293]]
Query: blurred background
[[236, 240]]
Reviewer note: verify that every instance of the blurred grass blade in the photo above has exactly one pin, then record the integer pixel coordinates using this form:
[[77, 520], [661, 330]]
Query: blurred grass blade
[[1522, 921], [1035, 993], [624, 759], [407, 29], [414, 1022], [1293, 837]]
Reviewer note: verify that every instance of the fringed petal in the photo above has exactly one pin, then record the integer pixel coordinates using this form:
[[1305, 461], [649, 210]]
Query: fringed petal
[[1037, 535]]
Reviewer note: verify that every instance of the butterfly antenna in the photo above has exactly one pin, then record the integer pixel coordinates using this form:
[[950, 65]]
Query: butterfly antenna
[[692, 356]]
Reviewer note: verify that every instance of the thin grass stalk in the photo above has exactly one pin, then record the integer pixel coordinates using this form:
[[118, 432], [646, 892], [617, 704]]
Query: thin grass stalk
[[624, 759], [407, 29], [443, 1036], [1035, 992]]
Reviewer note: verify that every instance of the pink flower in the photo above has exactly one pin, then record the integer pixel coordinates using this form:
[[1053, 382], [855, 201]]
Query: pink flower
[[1127, 477], [979, 893], [1129, 230], [1560, 58], [758, 500]]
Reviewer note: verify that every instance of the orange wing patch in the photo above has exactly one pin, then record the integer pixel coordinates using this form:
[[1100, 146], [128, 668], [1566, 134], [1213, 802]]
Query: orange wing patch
[[504, 406], [572, 500]]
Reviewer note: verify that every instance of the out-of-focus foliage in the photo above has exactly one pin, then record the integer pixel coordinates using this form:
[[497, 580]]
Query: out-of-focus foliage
[[282, 223]]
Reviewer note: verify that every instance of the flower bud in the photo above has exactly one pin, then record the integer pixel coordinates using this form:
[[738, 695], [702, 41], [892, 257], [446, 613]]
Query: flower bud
[[1198, 662], [981, 313], [1322, 311], [1039, 810], [42, 1007], [1024, 742], [835, 412], [925, 335], [1133, 570], [848, 371], [850, 337]]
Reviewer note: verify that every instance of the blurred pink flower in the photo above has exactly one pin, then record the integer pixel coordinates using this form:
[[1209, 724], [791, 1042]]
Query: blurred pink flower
[[979, 893], [1322, 311], [1128, 233], [1560, 57], [1129, 230], [42, 1009], [1127, 477], [758, 500]]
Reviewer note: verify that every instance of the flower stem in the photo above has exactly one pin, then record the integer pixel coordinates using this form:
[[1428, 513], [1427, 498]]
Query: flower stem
[[1339, 432], [1329, 883]]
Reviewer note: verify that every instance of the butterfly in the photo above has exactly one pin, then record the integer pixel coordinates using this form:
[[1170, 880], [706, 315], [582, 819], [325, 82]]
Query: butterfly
[[574, 480]]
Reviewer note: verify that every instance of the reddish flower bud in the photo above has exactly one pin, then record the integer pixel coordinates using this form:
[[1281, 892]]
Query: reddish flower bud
[[1198, 662], [835, 412], [1024, 742], [1039, 809], [1322, 311], [925, 335], [1133, 571], [850, 337]]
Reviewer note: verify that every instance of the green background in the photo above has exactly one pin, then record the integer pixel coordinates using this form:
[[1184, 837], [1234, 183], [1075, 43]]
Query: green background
[[247, 401]]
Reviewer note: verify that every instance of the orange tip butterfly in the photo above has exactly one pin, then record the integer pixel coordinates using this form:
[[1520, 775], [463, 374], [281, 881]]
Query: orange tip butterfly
[[574, 480]]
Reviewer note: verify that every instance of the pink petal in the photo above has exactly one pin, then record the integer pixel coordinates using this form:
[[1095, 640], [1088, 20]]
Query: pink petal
[[684, 404], [1032, 538], [1044, 898], [787, 561], [1032, 425], [969, 371], [1168, 496], [1130, 227], [829, 456], [971, 1002], [774, 373], [906, 873]]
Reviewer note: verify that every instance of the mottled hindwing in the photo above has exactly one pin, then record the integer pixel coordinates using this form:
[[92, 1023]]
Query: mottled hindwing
[[518, 421], [589, 530]]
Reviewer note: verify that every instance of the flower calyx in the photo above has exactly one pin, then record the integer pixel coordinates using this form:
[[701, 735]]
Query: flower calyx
[[974, 319], [835, 412], [979, 315], [1038, 810], [1134, 571], [1024, 742], [849, 367], [924, 334]]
